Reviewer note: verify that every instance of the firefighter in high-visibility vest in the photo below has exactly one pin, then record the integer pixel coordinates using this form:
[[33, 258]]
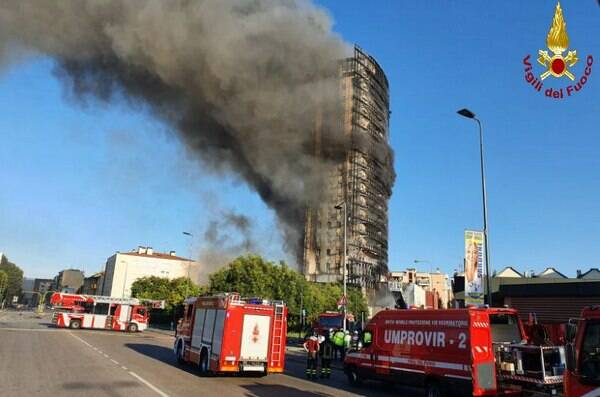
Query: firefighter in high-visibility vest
[[311, 345], [338, 341], [326, 353]]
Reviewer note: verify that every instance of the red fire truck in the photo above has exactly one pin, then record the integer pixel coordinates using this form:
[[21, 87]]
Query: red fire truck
[[225, 333], [582, 378], [332, 320], [98, 312], [471, 352]]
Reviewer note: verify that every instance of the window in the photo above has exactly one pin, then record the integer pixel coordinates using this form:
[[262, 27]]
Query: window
[[141, 311], [590, 354], [334, 322], [101, 308], [505, 328], [113, 309]]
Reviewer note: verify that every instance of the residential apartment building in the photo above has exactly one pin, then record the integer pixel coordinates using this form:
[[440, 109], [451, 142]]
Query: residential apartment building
[[432, 282], [123, 268], [69, 280], [93, 285]]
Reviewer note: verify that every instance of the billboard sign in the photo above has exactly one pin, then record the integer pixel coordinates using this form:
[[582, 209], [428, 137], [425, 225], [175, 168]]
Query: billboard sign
[[474, 269]]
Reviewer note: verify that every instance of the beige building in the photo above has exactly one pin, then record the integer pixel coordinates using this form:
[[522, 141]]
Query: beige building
[[435, 281], [69, 280], [362, 180], [123, 268]]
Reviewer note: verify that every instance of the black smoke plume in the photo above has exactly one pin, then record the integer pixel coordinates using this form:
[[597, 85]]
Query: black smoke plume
[[243, 82]]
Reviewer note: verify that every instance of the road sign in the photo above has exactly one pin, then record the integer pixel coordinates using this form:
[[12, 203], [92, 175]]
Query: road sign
[[343, 301]]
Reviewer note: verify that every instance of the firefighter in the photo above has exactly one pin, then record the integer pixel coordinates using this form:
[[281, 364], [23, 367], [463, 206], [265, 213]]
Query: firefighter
[[326, 353], [355, 343], [347, 340], [338, 341], [311, 345]]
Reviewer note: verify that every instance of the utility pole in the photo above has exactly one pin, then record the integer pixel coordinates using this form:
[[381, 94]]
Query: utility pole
[[344, 260], [187, 290]]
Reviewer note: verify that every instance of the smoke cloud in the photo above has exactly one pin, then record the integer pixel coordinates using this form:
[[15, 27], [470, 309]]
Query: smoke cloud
[[242, 82], [225, 238]]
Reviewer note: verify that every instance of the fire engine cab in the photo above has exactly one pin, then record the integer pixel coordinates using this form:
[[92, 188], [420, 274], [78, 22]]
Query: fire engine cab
[[98, 312], [582, 378], [225, 334], [465, 352]]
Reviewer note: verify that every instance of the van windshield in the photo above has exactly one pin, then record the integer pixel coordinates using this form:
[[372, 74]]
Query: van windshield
[[505, 328]]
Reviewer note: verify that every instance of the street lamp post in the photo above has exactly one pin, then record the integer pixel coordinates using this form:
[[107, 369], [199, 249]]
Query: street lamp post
[[190, 235], [470, 115], [345, 298]]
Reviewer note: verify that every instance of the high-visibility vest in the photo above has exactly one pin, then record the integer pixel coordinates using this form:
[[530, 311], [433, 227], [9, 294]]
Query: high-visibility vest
[[338, 338]]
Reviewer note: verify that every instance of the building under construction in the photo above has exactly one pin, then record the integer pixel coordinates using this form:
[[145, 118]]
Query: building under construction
[[362, 179]]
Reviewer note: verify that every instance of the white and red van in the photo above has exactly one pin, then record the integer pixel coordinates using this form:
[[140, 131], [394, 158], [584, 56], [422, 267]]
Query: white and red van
[[465, 352]]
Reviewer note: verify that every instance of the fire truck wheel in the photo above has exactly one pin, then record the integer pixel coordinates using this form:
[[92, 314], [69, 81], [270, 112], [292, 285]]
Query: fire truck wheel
[[203, 363], [353, 377], [180, 359], [75, 324], [433, 389], [133, 327]]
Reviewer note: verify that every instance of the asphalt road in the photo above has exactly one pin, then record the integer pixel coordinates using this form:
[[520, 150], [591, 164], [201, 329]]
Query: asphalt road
[[37, 359]]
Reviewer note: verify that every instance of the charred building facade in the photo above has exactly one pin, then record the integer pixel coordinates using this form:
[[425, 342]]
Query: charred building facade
[[362, 179]]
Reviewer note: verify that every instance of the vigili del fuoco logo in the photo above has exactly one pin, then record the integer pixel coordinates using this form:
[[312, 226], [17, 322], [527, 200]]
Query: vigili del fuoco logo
[[556, 67]]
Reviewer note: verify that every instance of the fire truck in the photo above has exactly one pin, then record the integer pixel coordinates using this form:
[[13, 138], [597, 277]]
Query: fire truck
[[582, 377], [98, 312], [228, 334], [332, 320], [471, 352]]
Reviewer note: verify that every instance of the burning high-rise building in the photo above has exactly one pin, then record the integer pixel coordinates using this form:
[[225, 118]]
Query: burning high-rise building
[[362, 179]]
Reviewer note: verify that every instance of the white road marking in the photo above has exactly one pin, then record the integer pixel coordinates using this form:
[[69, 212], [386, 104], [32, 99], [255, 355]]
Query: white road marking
[[139, 378], [81, 340], [150, 385]]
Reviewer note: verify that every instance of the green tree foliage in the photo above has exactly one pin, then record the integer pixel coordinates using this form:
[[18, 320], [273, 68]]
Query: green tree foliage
[[15, 278], [3, 284], [251, 276], [173, 292]]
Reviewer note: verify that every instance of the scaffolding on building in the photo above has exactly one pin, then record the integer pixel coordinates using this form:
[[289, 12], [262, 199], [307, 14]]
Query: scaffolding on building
[[363, 180]]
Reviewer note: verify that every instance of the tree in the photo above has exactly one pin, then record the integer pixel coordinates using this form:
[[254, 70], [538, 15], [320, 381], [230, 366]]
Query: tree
[[173, 292], [251, 275], [15, 278], [3, 285]]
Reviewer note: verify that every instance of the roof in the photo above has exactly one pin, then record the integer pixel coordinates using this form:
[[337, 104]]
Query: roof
[[508, 270], [590, 273], [551, 272], [590, 288], [156, 255]]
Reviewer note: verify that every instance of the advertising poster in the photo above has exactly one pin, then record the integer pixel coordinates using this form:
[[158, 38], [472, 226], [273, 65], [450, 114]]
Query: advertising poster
[[474, 268]]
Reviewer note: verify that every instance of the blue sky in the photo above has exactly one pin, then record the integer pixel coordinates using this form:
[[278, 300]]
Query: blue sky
[[78, 183]]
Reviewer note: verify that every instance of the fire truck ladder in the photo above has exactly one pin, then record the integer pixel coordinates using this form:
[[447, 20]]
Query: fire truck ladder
[[277, 335]]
